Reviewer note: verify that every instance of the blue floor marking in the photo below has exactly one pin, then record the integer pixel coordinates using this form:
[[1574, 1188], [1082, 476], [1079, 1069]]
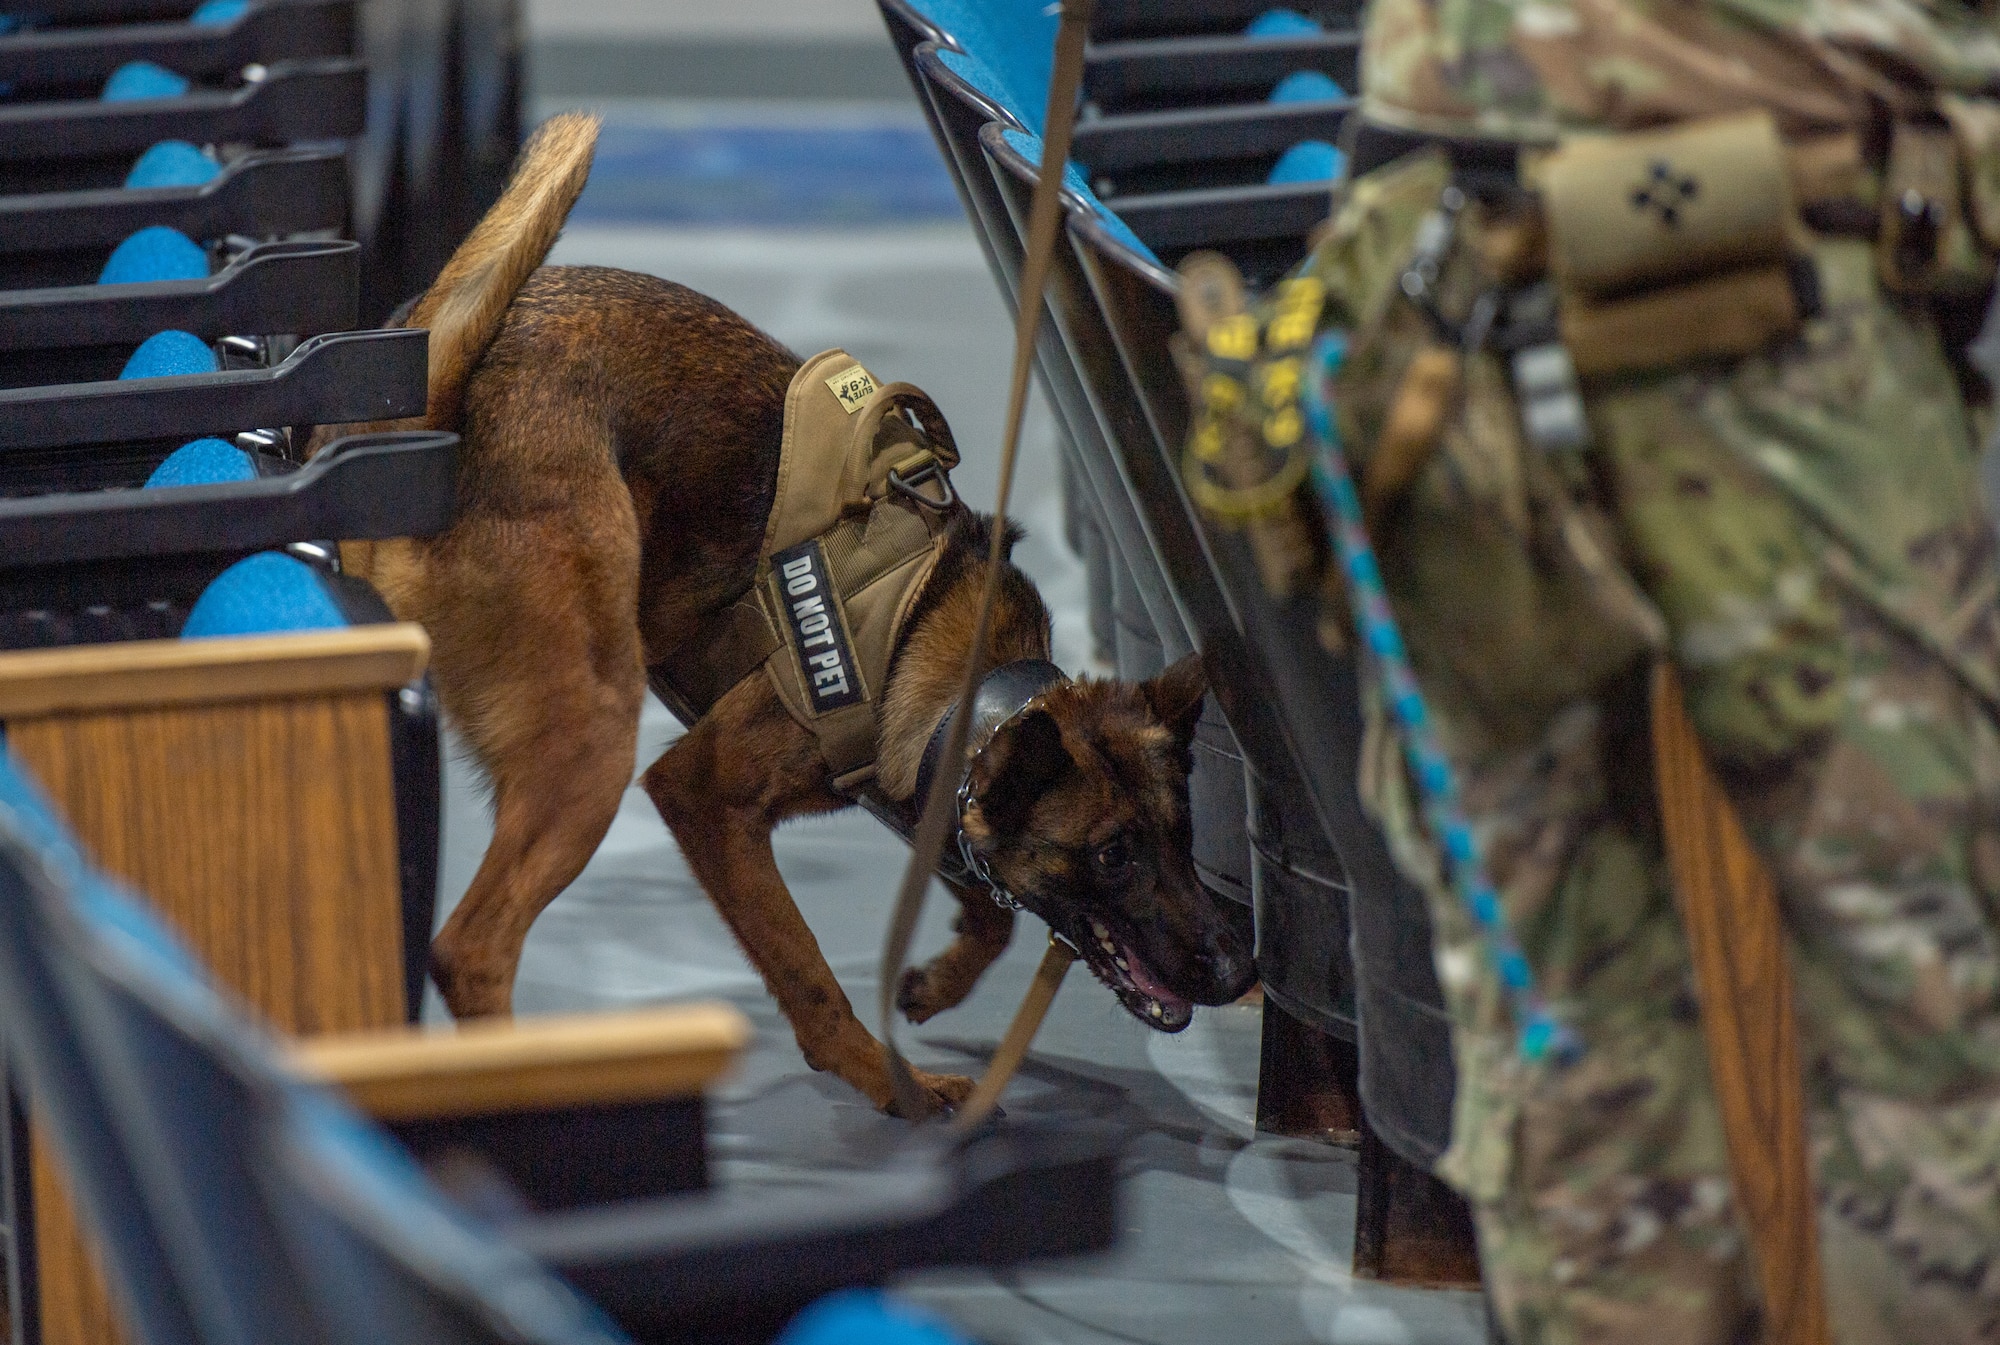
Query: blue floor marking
[[797, 176]]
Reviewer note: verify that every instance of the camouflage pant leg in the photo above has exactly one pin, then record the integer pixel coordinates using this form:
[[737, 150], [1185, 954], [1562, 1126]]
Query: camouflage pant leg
[[1601, 1192], [1809, 524]]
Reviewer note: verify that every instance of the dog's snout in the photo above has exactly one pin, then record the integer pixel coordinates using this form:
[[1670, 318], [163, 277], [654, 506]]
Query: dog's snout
[[1227, 960], [1233, 970]]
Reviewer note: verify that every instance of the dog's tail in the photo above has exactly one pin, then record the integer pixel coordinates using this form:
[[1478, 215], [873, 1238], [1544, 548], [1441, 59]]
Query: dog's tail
[[464, 307]]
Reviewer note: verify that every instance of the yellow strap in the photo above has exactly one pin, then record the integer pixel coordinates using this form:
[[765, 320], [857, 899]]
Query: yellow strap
[[1736, 937]]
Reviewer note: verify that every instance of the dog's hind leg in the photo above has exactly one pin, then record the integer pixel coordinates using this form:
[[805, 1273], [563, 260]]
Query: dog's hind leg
[[721, 789], [536, 656], [983, 928]]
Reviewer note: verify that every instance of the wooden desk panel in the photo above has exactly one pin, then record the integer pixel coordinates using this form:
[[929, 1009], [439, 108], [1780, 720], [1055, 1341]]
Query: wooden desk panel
[[264, 830]]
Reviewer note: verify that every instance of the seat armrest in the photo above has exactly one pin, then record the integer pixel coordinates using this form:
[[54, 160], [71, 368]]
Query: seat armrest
[[149, 674], [497, 1066]]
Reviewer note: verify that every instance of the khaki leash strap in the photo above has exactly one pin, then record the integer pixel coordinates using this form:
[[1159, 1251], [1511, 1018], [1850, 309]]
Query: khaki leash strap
[[940, 808], [1056, 962], [1729, 907]]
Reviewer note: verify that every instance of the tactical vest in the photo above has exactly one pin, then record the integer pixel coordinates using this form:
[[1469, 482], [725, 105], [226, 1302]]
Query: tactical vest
[[856, 526]]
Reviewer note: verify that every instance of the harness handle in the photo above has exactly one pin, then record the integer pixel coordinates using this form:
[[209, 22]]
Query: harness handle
[[869, 464], [940, 806]]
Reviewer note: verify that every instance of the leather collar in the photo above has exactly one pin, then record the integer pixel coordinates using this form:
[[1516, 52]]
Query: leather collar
[[1004, 693]]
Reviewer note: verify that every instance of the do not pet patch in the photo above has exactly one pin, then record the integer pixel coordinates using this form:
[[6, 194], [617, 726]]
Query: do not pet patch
[[853, 386], [805, 591]]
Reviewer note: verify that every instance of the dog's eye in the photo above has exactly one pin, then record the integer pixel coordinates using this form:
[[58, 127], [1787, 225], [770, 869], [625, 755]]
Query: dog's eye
[[1114, 860]]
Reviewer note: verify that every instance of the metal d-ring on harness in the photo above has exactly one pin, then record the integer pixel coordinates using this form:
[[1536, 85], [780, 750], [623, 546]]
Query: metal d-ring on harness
[[931, 471]]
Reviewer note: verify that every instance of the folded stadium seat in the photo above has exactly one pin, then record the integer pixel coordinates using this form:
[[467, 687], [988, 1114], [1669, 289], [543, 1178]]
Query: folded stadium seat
[[173, 388], [1409, 1226], [1207, 139], [1300, 889], [154, 253], [1117, 19], [1260, 224], [218, 40], [170, 354], [60, 237], [1014, 41], [203, 462], [138, 81], [173, 163], [1146, 620], [83, 333], [294, 1220], [74, 560], [114, 436], [86, 143], [1211, 67]]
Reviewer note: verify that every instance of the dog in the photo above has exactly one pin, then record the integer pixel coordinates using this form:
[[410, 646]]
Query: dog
[[621, 438]]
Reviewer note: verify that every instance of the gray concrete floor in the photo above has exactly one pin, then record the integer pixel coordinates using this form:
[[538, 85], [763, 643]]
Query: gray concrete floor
[[1228, 1236]]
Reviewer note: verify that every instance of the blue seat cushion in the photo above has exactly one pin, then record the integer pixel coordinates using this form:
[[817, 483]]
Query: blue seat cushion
[[154, 253], [1015, 38], [137, 80], [218, 13], [866, 1317], [1306, 86], [1308, 161], [1282, 23], [170, 354], [1030, 148], [261, 595], [983, 78], [173, 163], [203, 462]]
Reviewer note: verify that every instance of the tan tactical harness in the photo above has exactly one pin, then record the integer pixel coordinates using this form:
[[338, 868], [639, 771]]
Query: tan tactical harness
[[856, 527]]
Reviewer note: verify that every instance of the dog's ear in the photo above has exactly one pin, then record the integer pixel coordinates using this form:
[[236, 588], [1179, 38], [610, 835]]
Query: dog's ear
[[1017, 767], [1175, 695]]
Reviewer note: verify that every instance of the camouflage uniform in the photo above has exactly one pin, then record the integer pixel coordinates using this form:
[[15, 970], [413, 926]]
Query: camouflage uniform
[[1802, 533]]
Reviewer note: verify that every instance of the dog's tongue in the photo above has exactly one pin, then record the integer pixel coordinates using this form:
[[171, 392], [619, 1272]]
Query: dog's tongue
[[1150, 985]]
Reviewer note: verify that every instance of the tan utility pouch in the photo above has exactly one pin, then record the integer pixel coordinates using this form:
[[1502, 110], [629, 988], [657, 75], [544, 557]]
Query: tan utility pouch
[[1975, 126], [1672, 246], [1927, 244], [1731, 315], [1642, 212]]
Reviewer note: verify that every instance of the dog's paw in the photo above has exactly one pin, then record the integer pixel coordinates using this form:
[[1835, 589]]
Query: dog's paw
[[917, 996], [944, 1092]]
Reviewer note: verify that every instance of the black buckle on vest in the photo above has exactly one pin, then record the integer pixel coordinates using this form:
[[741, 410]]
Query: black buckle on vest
[[932, 470]]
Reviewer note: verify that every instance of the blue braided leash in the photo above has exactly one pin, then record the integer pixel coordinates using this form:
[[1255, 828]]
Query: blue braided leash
[[1543, 1036]]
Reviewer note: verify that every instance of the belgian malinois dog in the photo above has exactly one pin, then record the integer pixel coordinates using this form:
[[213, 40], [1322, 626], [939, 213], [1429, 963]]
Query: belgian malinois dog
[[621, 444]]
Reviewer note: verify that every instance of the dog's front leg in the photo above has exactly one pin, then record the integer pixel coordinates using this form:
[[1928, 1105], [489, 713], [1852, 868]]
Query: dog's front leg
[[721, 790], [982, 930]]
